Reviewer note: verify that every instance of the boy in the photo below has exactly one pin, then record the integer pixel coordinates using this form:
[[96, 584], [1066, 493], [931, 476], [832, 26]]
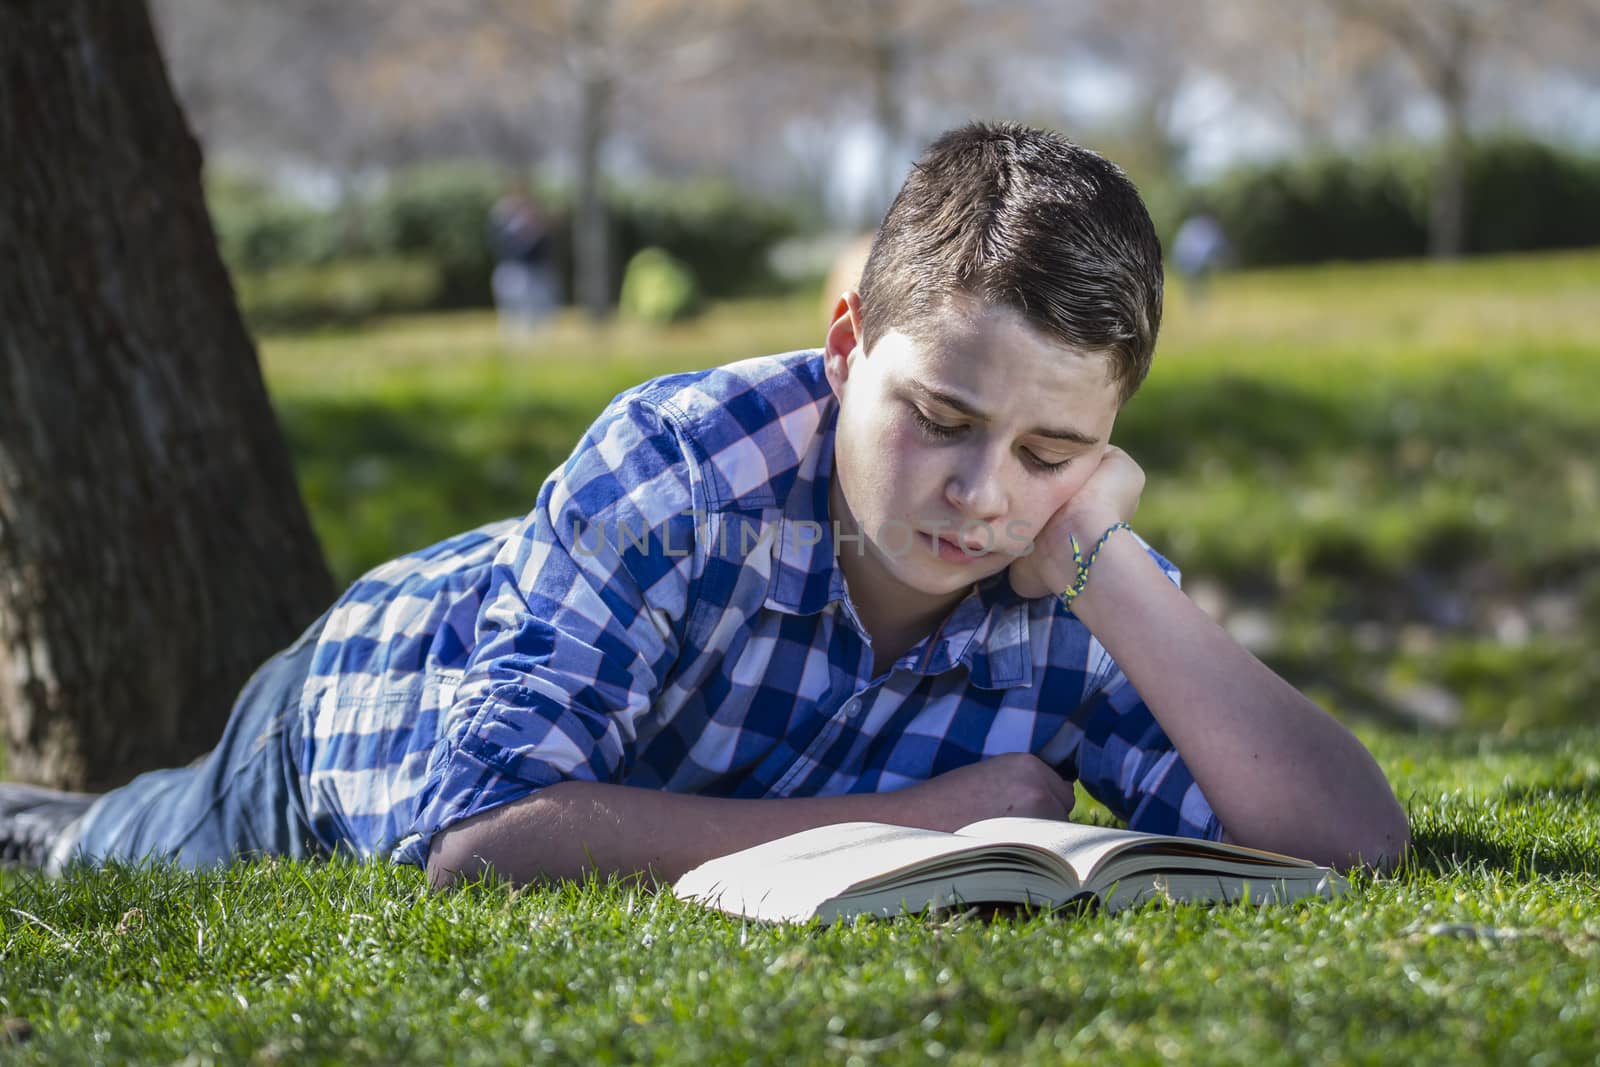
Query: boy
[[797, 590]]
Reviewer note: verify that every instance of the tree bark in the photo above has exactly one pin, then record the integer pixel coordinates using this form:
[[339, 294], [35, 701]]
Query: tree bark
[[1447, 216], [154, 549], [888, 110], [596, 90]]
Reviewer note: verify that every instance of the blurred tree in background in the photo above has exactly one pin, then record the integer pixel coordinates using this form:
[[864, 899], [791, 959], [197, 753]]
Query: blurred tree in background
[[591, 60], [1454, 47], [821, 104]]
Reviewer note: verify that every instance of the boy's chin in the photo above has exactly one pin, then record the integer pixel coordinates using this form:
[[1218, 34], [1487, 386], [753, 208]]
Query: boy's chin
[[937, 577]]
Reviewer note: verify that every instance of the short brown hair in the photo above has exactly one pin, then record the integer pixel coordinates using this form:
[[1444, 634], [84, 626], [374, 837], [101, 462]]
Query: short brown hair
[[1022, 218]]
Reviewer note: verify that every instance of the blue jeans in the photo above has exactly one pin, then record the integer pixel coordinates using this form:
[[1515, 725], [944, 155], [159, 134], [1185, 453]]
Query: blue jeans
[[243, 799]]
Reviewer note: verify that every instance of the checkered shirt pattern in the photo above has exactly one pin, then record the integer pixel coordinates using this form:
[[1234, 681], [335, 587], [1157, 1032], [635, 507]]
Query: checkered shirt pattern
[[671, 615]]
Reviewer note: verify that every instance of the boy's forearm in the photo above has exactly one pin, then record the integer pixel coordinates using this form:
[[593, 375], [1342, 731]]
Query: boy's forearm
[[569, 829], [1280, 773]]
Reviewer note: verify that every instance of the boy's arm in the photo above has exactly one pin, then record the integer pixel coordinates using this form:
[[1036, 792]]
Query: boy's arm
[[1280, 773], [572, 828], [565, 831], [581, 621]]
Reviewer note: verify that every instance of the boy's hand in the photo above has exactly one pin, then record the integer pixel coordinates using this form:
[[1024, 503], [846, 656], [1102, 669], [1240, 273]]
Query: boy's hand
[[1111, 495], [1011, 784]]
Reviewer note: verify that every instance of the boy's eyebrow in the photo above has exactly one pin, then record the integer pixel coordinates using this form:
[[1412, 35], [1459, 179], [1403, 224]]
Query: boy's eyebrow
[[950, 400]]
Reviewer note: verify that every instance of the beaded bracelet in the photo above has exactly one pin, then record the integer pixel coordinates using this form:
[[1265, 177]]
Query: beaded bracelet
[[1067, 596]]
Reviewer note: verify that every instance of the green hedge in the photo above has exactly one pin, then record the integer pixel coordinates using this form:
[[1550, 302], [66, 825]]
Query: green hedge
[[440, 214], [723, 237], [341, 293], [437, 215], [1521, 195], [260, 230]]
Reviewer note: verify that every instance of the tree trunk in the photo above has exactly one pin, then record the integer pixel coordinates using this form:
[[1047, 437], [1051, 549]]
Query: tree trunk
[[889, 114], [591, 237], [1447, 218], [1451, 82], [154, 549]]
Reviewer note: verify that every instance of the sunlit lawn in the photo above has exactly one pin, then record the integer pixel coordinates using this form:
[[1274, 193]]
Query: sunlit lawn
[[1483, 950], [1386, 476]]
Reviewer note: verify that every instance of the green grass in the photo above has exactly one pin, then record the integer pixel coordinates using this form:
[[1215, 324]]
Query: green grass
[[1483, 948], [419, 428]]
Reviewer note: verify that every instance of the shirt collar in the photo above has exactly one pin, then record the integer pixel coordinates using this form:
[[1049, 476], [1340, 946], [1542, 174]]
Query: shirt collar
[[987, 631]]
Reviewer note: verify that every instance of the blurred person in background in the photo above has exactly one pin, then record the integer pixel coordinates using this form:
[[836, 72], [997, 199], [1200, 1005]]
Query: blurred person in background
[[1199, 248], [524, 280]]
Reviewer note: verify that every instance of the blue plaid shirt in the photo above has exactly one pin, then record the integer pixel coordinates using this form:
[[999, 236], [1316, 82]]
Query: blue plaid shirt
[[671, 615]]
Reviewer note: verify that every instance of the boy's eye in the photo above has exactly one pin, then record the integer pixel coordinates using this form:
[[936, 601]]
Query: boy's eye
[[941, 432], [931, 428], [1045, 465]]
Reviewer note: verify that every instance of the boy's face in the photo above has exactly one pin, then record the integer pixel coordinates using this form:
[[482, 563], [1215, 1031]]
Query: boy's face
[[973, 433]]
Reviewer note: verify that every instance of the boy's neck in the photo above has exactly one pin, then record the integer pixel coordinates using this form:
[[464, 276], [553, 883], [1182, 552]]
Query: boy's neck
[[895, 616]]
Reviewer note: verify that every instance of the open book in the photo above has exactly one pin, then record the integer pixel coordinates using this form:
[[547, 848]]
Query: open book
[[835, 872]]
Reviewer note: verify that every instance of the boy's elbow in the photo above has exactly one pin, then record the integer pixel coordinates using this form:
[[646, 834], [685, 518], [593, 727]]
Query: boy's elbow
[[1382, 851], [456, 855], [443, 868]]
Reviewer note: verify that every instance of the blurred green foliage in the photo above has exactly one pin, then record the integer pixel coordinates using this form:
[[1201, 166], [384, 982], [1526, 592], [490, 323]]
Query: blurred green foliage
[[659, 288], [340, 292], [259, 229], [721, 235], [437, 216], [439, 213], [1521, 195]]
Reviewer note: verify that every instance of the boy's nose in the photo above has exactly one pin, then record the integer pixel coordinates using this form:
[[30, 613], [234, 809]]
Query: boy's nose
[[976, 495]]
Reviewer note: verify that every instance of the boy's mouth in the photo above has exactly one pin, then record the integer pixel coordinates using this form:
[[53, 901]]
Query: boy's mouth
[[955, 550]]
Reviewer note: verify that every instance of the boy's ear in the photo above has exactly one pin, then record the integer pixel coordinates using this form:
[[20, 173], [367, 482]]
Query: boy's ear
[[844, 337]]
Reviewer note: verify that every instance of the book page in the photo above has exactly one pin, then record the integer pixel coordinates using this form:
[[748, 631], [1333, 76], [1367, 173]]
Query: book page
[[795, 873], [1089, 849], [1081, 845], [940, 891]]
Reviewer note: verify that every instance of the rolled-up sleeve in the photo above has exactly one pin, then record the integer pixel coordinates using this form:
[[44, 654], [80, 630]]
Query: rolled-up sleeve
[[581, 623], [1125, 760]]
